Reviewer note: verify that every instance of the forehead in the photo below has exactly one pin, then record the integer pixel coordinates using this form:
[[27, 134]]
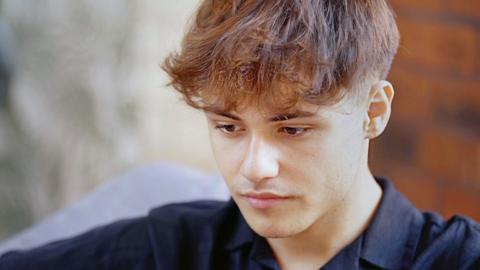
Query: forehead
[[284, 98], [303, 110], [271, 116]]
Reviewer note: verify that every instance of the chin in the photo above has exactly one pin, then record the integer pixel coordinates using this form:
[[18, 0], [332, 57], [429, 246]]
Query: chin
[[274, 234], [274, 228], [276, 223]]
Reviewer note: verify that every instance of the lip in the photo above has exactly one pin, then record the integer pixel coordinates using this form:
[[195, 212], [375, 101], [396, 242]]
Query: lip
[[264, 200]]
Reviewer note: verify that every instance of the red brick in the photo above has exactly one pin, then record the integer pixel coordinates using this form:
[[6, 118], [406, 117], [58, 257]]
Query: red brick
[[377, 161], [468, 8], [456, 102], [416, 94], [461, 91], [439, 46], [420, 100], [424, 5], [459, 201], [398, 144], [412, 100], [451, 155], [418, 187]]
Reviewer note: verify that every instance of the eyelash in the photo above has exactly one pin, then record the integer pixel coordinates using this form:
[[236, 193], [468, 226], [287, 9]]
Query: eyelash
[[232, 133], [303, 131], [223, 127]]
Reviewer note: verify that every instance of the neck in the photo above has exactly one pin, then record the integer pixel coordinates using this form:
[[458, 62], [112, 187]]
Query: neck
[[334, 231]]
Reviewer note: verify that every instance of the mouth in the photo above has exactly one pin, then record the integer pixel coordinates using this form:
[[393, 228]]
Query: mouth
[[264, 200]]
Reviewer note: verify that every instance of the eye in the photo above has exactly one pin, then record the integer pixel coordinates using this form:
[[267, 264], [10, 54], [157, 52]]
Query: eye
[[228, 129], [293, 131]]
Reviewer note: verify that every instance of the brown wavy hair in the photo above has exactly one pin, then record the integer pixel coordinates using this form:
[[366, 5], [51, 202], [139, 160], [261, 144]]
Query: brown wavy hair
[[281, 52]]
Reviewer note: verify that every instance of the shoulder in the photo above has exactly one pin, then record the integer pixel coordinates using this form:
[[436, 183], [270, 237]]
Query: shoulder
[[98, 248], [166, 237], [196, 221], [191, 235], [454, 242], [188, 211]]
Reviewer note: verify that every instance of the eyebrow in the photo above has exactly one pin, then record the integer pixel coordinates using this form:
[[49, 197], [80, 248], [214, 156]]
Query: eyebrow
[[288, 116], [277, 118]]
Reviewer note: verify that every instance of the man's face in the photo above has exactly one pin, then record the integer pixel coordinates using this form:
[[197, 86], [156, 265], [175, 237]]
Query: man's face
[[287, 171]]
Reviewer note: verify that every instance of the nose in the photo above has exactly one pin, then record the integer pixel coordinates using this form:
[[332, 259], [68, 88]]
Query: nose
[[260, 161]]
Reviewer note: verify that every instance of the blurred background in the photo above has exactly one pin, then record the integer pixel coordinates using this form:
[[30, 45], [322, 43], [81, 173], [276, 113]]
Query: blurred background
[[431, 148], [82, 100]]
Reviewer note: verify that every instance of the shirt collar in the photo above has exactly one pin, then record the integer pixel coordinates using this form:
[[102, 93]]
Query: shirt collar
[[241, 233], [389, 240], [243, 236]]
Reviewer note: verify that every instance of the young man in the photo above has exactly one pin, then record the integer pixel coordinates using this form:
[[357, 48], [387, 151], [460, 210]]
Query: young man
[[293, 90]]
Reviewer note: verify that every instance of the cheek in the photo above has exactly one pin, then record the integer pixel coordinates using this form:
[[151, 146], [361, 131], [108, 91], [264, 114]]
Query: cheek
[[342, 160], [324, 164], [227, 155], [345, 141]]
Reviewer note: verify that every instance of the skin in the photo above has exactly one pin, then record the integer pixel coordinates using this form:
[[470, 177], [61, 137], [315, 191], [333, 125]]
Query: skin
[[318, 158]]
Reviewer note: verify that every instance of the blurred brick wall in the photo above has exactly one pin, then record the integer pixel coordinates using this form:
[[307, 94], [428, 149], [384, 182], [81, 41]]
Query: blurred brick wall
[[431, 148]]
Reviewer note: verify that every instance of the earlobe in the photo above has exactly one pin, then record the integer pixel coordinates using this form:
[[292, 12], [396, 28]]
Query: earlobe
[[379, 109]]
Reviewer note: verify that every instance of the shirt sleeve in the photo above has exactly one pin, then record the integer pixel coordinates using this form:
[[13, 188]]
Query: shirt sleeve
[[99, 248], [453, 245]]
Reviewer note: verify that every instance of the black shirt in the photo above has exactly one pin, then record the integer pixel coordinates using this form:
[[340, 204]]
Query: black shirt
[[213, 235]]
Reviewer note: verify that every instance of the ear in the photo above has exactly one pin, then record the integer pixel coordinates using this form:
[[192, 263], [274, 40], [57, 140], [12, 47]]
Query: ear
[[379, 106]]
